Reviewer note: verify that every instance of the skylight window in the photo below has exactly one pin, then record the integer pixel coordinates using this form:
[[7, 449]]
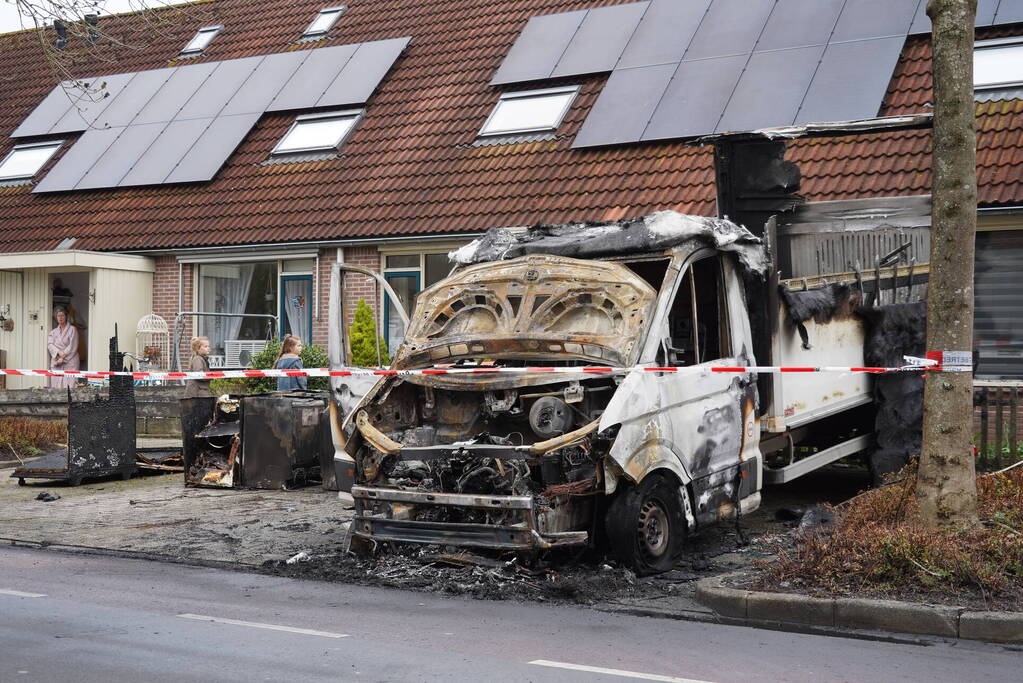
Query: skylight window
[[24, 161], [323, 22], [529, 111], [315, 132], [202, 39], [998, 63]]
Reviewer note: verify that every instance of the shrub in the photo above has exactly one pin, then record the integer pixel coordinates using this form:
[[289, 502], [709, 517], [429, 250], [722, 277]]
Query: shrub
[[313, 356], [361, 337], [27, 437]]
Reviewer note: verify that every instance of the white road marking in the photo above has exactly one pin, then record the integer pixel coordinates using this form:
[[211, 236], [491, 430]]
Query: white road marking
[[19, 594], [613, 672], [271, 627]]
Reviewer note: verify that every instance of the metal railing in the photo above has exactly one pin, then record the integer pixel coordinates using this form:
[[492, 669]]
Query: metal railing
[[996, 422]]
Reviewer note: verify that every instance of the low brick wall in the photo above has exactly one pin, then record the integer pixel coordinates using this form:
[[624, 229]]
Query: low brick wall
[[158, 412]]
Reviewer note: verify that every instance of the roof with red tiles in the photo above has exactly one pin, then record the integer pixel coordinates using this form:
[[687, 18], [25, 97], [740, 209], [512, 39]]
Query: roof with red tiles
[[410, 168]]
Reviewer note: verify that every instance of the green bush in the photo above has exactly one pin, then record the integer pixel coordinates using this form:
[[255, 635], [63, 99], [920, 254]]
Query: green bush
[[362, 335], [312, 357]]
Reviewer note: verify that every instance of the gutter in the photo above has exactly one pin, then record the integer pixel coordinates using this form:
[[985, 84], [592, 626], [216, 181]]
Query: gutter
[[355, 241]]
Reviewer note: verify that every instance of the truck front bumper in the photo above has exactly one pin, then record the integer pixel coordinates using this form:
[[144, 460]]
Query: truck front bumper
[[383, 515]]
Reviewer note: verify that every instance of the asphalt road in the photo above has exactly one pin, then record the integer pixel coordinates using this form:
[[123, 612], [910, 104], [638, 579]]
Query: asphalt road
[[92, 618]]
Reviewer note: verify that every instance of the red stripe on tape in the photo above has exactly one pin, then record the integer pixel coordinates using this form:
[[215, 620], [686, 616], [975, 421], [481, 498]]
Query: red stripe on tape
[[724, 368], [798, 369]]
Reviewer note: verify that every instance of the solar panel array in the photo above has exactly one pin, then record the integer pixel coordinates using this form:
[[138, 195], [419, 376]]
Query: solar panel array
[[181, 124], [685, 68]]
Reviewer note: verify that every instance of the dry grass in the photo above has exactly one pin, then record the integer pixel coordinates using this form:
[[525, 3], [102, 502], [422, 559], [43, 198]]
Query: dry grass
[[879, 546], [25, 437]]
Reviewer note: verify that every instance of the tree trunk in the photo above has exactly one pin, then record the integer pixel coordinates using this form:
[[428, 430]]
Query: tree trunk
[[946, 482]]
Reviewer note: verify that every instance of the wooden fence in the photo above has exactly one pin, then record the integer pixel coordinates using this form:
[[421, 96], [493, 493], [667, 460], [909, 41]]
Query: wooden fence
[[996, 423]]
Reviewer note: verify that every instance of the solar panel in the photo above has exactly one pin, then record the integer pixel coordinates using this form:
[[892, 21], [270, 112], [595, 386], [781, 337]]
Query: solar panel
[[153, 167], [102, 92], [265, 82], [212, 148], [77, 161], [795, 23], [132, 99], [539, 47], [851, 81], [600, 40], [46, 113], [609, 122], [1009, 12], [361, 75], [985, 16], [865, 19], [771, 89], [730, 27], [696, 97], [664, 33], [120, 156], [220, 87], [178, 89], [315, 75]]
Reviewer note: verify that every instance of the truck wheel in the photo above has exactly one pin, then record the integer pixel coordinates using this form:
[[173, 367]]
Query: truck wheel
[[646, 525]]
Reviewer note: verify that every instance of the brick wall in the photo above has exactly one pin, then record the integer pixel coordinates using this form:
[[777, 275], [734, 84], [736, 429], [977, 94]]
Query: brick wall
[[165, 299], [321, 314], [360, 286]]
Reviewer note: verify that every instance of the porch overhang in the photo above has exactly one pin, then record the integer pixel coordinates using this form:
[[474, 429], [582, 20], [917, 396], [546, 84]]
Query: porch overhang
[[75, 259]]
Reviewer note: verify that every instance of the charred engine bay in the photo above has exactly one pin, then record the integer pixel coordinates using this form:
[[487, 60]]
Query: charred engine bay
[[447, 436]]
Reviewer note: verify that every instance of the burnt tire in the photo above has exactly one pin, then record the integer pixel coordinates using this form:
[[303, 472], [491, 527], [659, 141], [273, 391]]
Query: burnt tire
[[646, 525]]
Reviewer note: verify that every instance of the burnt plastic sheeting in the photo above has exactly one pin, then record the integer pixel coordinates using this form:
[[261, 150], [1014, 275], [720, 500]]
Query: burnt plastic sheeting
[[598, 43], [820, 304], [539, 47], [851, 81], [664, 33], [895, 331], [281, 439], [77, 161], [101, 438], [609, 123]]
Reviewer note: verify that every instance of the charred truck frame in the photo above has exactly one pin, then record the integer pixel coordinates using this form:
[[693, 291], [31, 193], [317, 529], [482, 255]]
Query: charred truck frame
[[533, 460]]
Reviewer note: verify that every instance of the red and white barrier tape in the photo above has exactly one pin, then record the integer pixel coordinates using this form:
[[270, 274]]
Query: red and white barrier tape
[[913, 365]]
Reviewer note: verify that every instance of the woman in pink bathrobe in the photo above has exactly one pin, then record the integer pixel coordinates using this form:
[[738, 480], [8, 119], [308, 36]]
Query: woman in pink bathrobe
[[62, 345]]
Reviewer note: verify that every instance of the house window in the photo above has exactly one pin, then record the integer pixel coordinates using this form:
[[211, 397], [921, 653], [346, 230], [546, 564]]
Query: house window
[[529, 111], [201, 40], [24, 161], [409, 274], [315, 132], [323, 22], [237, 288], [998, 63]]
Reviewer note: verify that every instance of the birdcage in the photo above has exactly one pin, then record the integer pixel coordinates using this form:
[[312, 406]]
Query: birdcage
[[152, 343]]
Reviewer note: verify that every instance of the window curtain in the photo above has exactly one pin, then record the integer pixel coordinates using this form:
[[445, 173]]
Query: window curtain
[[296, 307], [225, 294]]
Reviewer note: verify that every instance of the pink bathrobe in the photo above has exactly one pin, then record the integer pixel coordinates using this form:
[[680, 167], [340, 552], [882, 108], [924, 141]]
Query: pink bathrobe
[[63, 341]]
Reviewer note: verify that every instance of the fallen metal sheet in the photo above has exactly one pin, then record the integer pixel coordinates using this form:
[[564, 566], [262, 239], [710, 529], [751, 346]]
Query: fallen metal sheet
[[160, 459]]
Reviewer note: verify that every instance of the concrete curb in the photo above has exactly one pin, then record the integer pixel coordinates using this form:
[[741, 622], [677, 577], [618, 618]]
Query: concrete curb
[[759, 608]]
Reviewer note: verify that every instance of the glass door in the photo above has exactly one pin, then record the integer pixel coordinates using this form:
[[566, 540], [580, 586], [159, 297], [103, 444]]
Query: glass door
[[296, 306]]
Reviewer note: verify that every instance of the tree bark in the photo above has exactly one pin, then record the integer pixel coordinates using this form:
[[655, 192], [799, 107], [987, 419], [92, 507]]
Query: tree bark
[[946, 481]]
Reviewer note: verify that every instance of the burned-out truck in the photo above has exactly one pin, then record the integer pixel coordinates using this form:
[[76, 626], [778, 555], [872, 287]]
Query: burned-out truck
[[542, 447]]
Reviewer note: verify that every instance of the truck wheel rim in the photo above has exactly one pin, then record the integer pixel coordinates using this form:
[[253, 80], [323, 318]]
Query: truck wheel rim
[[653, 529]]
